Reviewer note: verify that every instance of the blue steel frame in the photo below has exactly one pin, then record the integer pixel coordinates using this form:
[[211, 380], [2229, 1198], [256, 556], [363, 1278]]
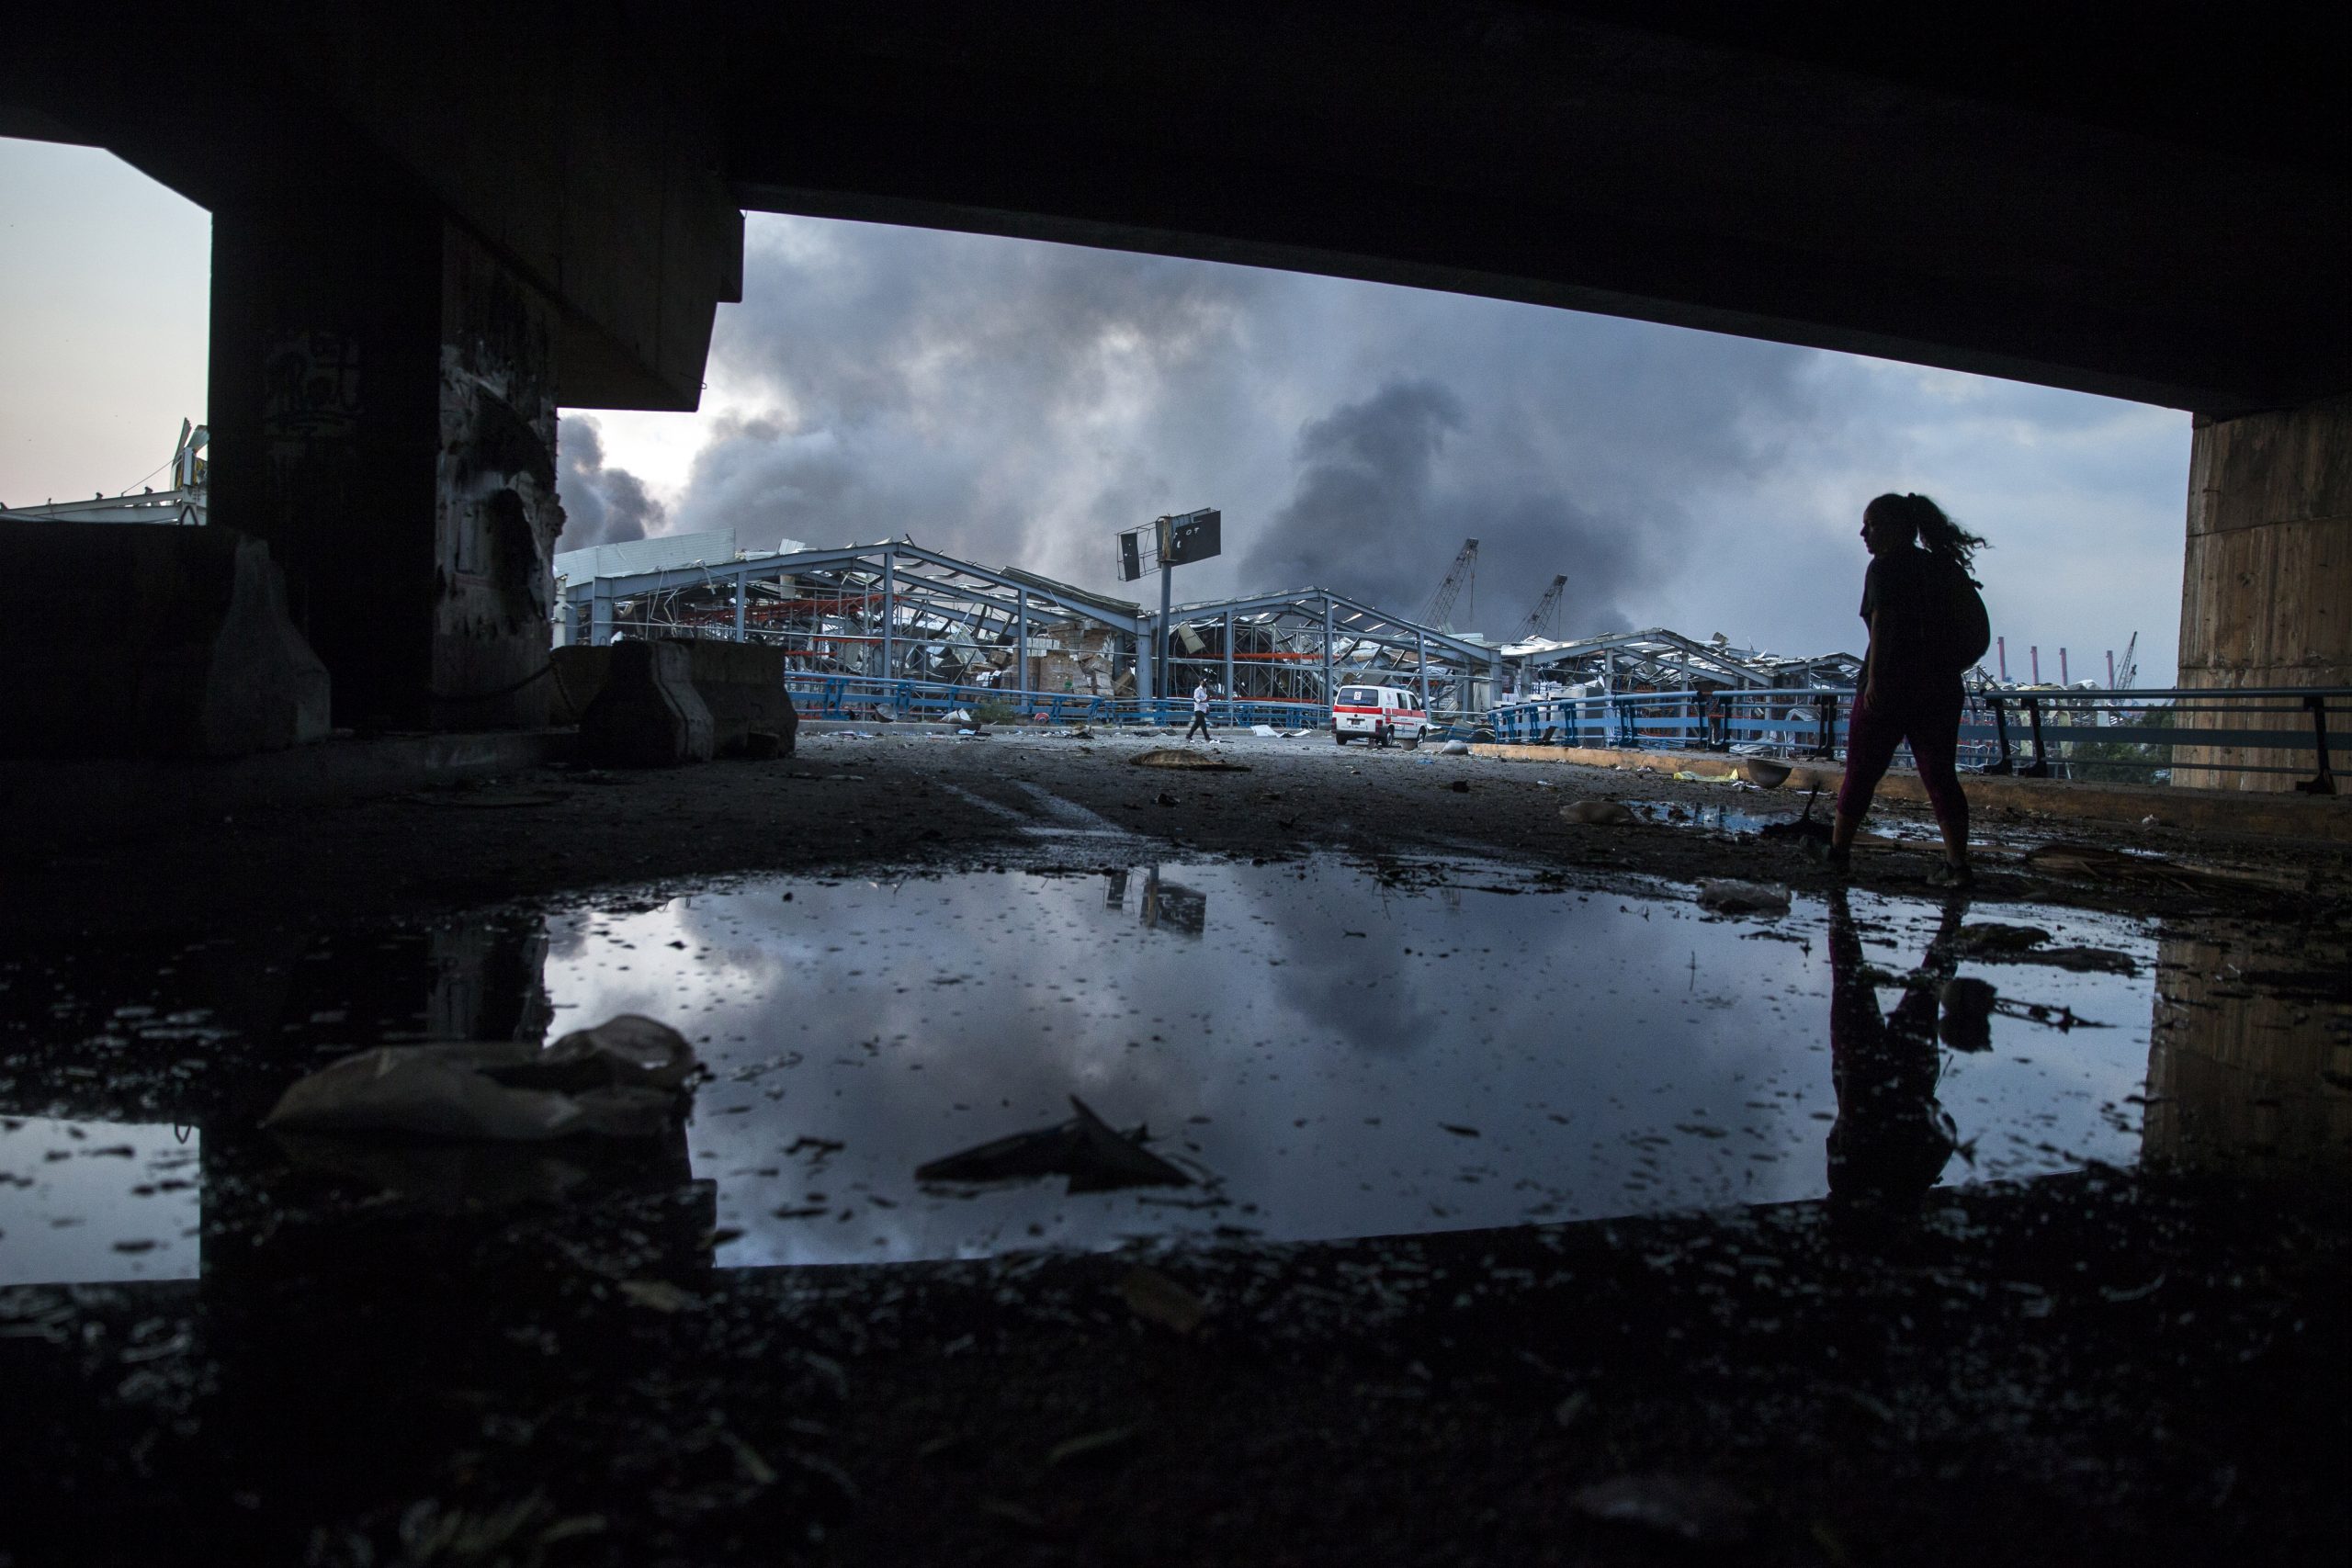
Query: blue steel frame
[[1808, 722]]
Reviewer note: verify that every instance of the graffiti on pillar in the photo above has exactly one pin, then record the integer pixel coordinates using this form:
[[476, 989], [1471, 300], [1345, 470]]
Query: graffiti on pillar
[[310, 390], [498, 514]]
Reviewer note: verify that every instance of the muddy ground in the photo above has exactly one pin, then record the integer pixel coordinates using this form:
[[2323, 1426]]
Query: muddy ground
[[2110, 1366], [867, 794]]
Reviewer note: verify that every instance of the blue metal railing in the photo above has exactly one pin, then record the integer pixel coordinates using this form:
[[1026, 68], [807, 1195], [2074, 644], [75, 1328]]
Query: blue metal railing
[[2030, 733], [865, 698]]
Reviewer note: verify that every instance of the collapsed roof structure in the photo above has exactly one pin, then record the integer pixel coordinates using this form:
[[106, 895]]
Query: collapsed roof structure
[[1659, 659], [895, 610]]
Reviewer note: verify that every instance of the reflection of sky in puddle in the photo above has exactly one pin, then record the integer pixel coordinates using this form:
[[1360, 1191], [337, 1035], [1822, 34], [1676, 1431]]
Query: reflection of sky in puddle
[[1309, 1037], [1753, 817], [96, 1200]]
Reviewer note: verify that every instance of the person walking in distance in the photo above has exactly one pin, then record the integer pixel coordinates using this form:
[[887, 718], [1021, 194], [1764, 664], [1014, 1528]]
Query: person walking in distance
[[1928, 626], [1200, 712]]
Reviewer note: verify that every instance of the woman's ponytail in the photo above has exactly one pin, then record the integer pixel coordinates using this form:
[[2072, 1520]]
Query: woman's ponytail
[[1936, 534]]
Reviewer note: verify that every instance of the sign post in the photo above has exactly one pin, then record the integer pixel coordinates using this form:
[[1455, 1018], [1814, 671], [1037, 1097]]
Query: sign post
[[1175, 540]]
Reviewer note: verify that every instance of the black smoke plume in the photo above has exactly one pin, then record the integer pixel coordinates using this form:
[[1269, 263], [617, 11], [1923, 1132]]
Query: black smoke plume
[[601, 506]]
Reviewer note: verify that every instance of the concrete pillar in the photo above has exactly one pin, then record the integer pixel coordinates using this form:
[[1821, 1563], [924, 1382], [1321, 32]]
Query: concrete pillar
[[2244, 1083], [383, 401], [2266, 580]]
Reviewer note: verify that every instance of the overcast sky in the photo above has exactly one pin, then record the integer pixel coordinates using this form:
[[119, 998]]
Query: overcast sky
[[1019, 403]]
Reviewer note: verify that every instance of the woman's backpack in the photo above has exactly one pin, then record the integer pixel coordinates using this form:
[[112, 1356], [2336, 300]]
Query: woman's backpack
[[1966, 629]]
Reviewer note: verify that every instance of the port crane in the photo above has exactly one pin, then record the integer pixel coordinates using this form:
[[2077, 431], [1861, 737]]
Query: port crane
[[1545, 608], [1461, 574]]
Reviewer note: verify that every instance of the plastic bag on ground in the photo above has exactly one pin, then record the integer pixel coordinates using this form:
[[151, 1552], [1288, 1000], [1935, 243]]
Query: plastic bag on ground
[[1730, 897], [621, 1078]]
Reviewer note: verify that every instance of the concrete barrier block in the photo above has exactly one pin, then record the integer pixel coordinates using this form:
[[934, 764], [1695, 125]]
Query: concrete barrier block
[[648, 714], [149, 639], [743, 684], [580, 672]]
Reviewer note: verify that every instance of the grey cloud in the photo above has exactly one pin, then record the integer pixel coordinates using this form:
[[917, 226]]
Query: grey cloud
[[975, 392], [601, 506], [1017, 402]]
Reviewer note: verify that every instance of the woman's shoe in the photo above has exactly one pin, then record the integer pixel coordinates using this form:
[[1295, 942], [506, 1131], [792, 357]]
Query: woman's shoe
[[1948, 874], [1821, 852]]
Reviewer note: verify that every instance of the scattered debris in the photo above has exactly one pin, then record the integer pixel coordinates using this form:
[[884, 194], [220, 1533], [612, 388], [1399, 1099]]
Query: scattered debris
[[1454, 749], [1460, 787], [1802, 828], [1597, 813], [1015, 1514], [622, 1078], [1154, 1297], [1994, 943], [656, 1295], [488, 799], [2061, 858], [519, 1531], [1459, 1132], [1694, 1508], [1268, 730], [1766, 774], [1091, 1445], [1727, 897], [1178, 757], [1967, 1008], [1095, 1156]]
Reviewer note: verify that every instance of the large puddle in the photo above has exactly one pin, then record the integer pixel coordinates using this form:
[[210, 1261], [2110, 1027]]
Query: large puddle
[[1331, 1050], [1340, 1052]]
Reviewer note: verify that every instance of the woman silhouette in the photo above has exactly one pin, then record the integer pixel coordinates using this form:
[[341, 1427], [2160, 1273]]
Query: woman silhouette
[[1921, 607]]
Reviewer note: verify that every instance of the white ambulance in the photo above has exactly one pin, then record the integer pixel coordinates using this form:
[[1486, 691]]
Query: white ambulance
[[1380, 714]]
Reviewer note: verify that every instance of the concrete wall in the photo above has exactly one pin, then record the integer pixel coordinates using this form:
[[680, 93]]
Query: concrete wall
[[2243, 1082], [2266, 582]]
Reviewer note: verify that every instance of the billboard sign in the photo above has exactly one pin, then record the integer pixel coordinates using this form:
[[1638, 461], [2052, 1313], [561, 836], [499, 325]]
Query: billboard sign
[[1191, 536]]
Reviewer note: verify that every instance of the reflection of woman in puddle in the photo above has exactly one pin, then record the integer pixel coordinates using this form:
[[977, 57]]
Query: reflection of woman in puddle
[[1891, 1139]]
